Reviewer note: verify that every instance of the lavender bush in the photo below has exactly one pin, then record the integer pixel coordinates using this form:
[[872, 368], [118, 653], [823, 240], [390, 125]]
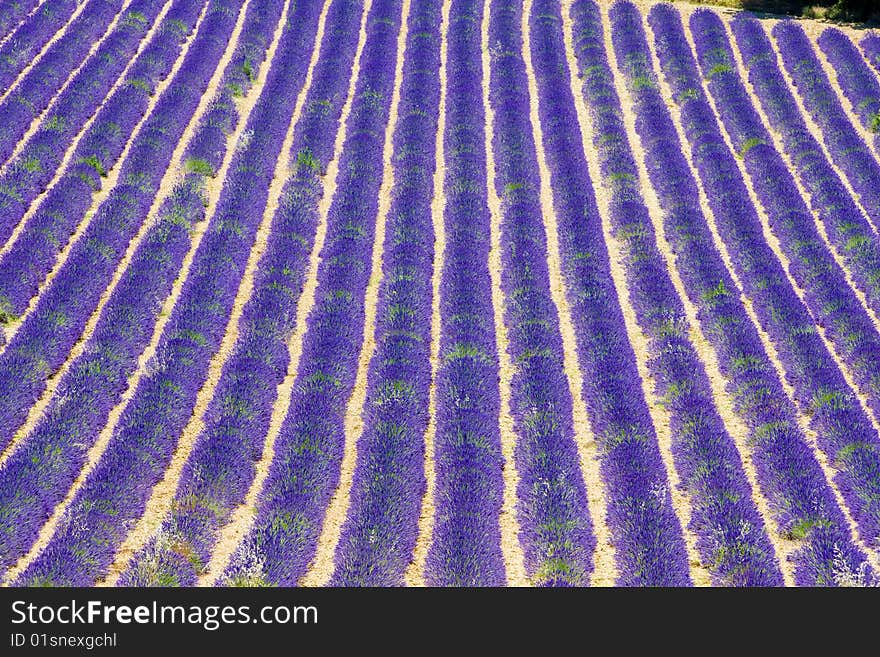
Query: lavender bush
[[465, 548], [97, 379], [871, 48], [57, 214], [221, 467], [845, 432], [787, 470], [555, 529], [380, 531], [308, 451], [731, 537], [845, 225]]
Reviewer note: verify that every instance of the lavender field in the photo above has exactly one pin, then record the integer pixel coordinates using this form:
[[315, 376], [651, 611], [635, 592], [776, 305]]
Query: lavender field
[[437, 293]]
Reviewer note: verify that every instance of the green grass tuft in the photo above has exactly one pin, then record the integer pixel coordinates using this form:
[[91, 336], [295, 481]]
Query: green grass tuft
[[305, 160], [140, 83], [56, 124], [200, 166], [748, 145], [716, 292], [718, 69]]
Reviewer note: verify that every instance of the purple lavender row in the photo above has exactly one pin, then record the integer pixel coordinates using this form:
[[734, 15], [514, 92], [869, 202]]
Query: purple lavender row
[[731, 535], [380, 532], [465, 548], [41, 83], [34, 252], [36, 164], [116, 492], [711, 465], [238, 416], [308, 451], [845, 431], [871, 47], [31, 36], [858, 83], [13, 15], [828, 297], [850, 232], [33, 483], [96, 380], [555, 528], [847, 148], [647, 536], [742, 359], [44, 339], [787, 469]]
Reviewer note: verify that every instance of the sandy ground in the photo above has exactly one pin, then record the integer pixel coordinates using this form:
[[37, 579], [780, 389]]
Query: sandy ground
[[100, 445], [242, 519], [415, 574]]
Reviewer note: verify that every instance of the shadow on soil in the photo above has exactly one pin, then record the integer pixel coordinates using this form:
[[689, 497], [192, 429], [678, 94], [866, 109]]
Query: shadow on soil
[[856, 13]]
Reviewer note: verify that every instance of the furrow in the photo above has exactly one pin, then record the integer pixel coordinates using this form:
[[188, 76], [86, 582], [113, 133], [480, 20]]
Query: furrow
[[511, 526]]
